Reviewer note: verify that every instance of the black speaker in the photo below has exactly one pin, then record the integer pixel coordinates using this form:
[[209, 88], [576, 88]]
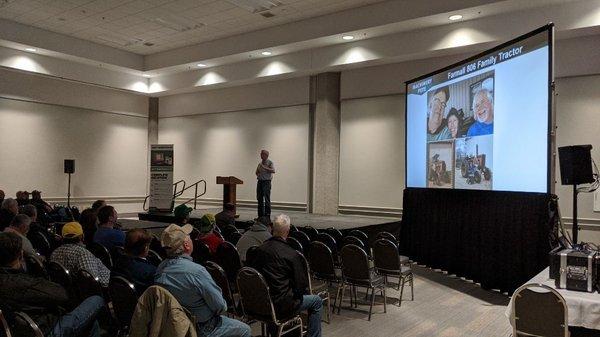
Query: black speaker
[[69, 165], [575, 164]]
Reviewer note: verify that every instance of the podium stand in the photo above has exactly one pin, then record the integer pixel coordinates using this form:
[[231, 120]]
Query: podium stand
[[229, 187]]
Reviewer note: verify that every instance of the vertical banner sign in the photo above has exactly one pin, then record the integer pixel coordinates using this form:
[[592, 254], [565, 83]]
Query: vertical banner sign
[[161, 177]]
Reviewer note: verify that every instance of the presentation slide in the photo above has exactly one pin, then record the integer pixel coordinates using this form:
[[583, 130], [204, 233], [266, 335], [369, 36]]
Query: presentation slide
[[483, 124]]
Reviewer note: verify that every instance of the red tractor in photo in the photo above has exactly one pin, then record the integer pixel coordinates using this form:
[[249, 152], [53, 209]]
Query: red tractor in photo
[[473, 168]]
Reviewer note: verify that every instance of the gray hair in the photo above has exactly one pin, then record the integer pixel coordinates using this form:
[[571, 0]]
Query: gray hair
[[8, 203], [281, 225], [20, 220], [29, 210], [488, 93]]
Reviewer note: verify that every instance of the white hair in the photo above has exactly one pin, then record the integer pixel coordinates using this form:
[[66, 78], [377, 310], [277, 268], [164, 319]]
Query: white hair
[[281, 225], [490, 97]]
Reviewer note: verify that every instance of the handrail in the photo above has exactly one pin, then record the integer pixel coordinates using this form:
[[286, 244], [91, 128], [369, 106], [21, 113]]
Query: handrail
[[175, 193], [196, 195]]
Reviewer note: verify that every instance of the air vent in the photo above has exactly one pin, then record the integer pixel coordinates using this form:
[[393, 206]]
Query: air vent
[[256, 6], [267, 14], [148, 44], [171, 21], [121, 41]]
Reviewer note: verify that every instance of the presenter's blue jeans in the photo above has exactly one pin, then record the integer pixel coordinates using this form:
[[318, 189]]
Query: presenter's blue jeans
[[81, 320], [313, 304]]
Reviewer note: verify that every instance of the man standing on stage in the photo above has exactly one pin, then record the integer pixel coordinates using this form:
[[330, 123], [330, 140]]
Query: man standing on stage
[[264, 174]]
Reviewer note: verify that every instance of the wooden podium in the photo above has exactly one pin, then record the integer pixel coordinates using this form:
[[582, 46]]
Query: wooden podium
[[229, 186]]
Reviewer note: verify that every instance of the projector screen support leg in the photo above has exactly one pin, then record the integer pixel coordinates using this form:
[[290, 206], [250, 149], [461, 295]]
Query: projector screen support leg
[[69, 193], [575, 227]]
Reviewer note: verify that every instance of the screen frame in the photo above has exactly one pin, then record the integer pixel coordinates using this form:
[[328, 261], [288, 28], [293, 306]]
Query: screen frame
[[550, 161]]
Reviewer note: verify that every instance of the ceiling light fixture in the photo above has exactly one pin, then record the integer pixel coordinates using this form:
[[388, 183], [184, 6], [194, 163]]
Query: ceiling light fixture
[[347, 37], [455, 17], [30, 49], [146, 75], [201, 65], [266, 53]]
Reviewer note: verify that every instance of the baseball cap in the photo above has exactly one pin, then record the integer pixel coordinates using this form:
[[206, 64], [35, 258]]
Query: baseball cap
[[173, 236], [182, 211], [72, 230]]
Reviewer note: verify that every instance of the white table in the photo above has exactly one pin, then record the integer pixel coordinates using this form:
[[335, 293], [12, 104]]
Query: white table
[[583, 307]]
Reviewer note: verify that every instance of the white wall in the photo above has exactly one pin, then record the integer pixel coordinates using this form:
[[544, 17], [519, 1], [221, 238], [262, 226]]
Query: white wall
[[110, 151], [372, 153], [224, 144]]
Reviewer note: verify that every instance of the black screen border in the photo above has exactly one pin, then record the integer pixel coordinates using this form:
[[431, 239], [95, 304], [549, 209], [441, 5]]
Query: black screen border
[[550, 165]]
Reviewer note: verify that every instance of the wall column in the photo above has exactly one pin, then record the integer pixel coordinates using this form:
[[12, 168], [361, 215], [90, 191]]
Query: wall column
[[325, 144], [152, 133]]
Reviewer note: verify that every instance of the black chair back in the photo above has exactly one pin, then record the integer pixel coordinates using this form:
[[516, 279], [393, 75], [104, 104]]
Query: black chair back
[[310, 231], [201, 253], [156, 246], [361, 235], [386, 235], [355, 264], [337, 235], [4, 328], [234, 238], [228, 258], [40, 243], [101, 253], [254, 295], [329, 241], [154, 258], [87, 285], [251, 255], [218, 275], [353, 240], [25, 326], [303, 239], [321, 261], [294, 243], [35, 266], [385, 256], [124, 299], [59, 274], [293, 228], [228, 231], [117, 252]]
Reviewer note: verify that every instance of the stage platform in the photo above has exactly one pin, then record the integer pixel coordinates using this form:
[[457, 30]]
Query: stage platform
[[156, 222]]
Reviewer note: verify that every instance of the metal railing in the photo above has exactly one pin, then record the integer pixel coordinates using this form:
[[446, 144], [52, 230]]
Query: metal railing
[[177, 193]]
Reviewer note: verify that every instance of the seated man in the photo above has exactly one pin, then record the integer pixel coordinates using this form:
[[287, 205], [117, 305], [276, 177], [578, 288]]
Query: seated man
[[182, 214], [254, 236], [41, 299], [42, 206], [107, 235], [98, 204], [226, 217], [193, 287], [286, 276], [8, 210], [74, 256], [37, 227], [206, 227], [20, 226], [134, 266]]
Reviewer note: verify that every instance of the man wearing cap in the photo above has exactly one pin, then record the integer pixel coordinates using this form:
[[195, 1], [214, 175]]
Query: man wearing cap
[[206, 227], [264, 175], [193, 286], [42, 300], [74, 256], [182, 214]]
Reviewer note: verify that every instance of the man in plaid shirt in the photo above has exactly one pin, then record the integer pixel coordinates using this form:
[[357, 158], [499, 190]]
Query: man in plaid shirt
[[74, 256]]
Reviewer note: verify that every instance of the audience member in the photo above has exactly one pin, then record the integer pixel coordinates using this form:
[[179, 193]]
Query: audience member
[[2, 196], [8, 210], [89, 222], [182, 214], [41, 299], [37, 227], [255, 235], [287, 278], [193, 287], [20, 226], [42, 206], [74, 256], [206, 226], [22, 198], [98, 204], [226, 217], [106, 234], [134, 266]]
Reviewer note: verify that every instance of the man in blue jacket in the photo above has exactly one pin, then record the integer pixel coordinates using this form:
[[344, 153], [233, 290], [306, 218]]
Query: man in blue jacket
[[193, 287]]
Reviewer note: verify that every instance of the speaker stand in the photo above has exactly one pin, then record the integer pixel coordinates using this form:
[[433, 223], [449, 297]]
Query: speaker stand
[[69, 193], [575, 226]]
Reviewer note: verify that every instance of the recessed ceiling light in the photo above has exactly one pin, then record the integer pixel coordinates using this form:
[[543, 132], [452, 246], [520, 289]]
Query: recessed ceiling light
[[348, 37], [266, 53], [146, 75], [30, 49], [455, 17], [201, 65]]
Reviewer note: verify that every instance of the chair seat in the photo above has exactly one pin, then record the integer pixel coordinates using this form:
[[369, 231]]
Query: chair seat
[[376, 280], [319, 286], [404, 270]]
